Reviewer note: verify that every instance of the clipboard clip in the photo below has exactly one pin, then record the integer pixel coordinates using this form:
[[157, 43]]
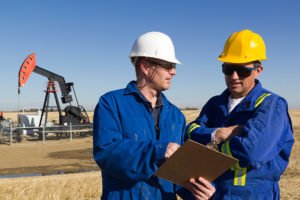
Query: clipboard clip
[[213, 145]]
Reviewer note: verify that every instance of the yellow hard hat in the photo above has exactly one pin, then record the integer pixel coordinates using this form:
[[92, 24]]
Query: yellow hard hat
[[243, 47]]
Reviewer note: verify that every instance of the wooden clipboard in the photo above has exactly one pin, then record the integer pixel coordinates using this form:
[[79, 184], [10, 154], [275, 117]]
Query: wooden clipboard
[[192, 160]]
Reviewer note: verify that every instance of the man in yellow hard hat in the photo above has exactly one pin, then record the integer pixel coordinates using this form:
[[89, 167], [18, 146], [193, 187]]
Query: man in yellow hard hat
[[247, 122], [137, 128]]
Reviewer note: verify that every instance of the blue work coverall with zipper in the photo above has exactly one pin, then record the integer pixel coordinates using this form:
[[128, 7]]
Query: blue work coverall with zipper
[[263, 148], [128, 149]]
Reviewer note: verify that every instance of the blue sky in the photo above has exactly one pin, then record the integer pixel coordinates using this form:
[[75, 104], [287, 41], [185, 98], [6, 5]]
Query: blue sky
[[88, 42]]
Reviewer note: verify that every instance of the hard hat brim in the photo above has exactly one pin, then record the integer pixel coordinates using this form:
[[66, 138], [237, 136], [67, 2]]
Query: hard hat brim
[[228, 59]]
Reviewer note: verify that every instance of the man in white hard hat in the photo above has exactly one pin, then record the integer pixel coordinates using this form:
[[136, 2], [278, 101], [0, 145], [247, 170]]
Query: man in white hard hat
[[136, 128]]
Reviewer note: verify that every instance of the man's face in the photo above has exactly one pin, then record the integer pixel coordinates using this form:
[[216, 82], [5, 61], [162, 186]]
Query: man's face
[[161, 74], [240, 78]]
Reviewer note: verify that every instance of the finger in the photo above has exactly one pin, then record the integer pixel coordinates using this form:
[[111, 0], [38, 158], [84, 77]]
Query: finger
[[171, 148], [206, 183], [194, 187], [200, 197], [204, 192], [169, 152], [202, 188]]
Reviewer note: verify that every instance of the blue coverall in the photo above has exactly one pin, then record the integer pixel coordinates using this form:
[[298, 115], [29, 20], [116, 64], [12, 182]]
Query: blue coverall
[[126, 147], [263, 148]]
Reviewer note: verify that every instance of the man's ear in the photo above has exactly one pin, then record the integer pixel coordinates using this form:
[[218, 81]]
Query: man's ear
[[143, 67], [259, 70]]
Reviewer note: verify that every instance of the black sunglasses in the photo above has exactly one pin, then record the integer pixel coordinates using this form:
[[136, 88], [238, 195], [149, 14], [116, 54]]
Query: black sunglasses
[[242, 71], [166, 66]]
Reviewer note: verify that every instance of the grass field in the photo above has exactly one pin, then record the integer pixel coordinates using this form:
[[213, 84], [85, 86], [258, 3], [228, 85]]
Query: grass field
[[34, 157]]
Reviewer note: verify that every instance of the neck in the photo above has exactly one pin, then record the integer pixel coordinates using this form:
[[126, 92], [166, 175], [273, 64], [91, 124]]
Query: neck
[[149, 93], [237, 96]]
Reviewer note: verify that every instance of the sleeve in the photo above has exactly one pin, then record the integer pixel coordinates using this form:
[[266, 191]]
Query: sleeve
[[122, 158], [199, 130], [263, 135]]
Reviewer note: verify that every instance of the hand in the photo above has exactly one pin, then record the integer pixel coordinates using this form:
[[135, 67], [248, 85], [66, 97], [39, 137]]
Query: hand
[[171, 148], [200, 188], [225, 133]]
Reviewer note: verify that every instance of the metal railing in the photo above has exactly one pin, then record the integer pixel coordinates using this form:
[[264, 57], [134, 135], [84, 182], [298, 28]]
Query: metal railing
[[13, 134]]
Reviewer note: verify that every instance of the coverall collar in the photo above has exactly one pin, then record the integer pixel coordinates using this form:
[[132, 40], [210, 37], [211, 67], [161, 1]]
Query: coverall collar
[[248, 102], [132, 88]]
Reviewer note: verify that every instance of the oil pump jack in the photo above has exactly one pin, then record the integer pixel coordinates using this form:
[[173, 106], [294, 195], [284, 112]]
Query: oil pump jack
[[73, 114]]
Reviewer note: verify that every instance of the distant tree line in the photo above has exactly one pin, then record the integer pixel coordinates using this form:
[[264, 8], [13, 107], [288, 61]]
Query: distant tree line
[[189, 108]]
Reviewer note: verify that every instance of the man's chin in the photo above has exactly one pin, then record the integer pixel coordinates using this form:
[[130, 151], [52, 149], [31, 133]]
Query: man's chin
[[165, 88], [235, 92]]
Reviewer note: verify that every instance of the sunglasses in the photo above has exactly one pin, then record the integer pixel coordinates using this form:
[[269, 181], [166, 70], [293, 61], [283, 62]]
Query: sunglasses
[[242, 71], [166, 66]]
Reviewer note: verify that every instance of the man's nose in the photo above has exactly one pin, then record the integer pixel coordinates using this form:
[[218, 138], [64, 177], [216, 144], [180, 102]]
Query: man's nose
[[173, 71], [234, 75]]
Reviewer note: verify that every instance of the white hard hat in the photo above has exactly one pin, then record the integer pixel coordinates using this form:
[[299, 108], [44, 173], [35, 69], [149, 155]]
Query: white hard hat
[[154, 45]]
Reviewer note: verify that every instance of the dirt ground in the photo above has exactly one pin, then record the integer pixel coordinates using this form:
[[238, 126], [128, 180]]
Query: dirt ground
[[65, 156], [54, 156]]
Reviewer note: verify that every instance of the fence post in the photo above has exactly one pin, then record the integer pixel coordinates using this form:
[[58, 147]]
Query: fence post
[[71, 137], [44, 134], [10, 133]]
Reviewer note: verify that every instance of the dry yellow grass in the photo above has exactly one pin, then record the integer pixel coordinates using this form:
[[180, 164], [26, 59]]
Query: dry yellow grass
[[84, 186], [60, 187], [290, 181]]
